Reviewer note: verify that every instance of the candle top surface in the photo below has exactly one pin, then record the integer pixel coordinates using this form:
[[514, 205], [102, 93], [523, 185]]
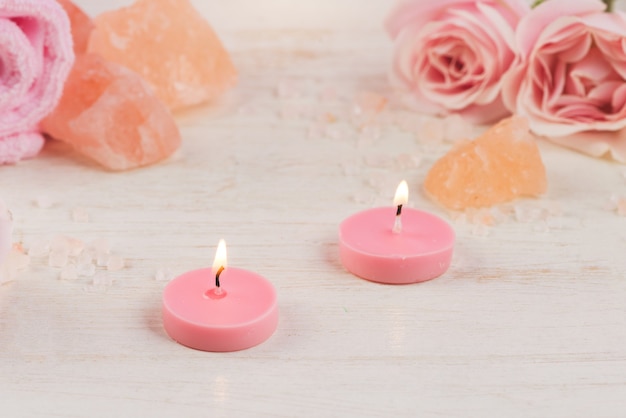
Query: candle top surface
[[247, 297], [370, 231]]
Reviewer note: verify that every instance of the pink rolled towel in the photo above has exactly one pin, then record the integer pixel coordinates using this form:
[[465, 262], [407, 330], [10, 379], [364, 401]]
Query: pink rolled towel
[[36, 55]]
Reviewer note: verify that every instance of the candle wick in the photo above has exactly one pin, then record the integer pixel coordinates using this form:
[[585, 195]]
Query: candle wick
[[217, 277], [397, 226]]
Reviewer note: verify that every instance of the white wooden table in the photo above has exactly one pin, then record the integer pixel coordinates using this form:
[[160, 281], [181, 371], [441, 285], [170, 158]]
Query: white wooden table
[[530, 320]]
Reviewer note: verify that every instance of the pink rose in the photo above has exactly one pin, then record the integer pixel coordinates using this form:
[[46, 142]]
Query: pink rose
[[568, 80], [450, 55]]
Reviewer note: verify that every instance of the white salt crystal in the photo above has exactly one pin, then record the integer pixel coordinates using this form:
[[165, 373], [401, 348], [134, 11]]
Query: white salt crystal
[[432, 130], [39, 248], [328, 94], [60, 243], [80, 214], [14, 262], [86, 270], [406, 161], [286, 90], [457, 128], [100, 246], [101, 279], [102, 259], [164, 273], [115, 262], [58, 258], [69, 272], [75, 246], [85, 258], [44, 202]]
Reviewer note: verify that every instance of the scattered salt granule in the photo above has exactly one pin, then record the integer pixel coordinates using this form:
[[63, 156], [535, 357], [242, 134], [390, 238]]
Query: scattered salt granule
[[44, 202], [328, 94], [457, 128], [80, 214], [164, 273], [370, 132], [369, 103], [378, 161], [69, 272], [85, 258], [16, 260], [39, 248], [86, 270], [480, 230], [115, 262], [287, 89], [289, 113], [75, 246], [432, 130], [406, 161], [58, 257], [100, 283]]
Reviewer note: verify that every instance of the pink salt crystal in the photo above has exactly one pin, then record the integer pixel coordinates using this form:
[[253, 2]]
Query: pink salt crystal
[[100, 246], [500, 165], [80, 214], [110, 115], [69, 272], [102, 259], [115, 262], [81, 24], [170, 45]]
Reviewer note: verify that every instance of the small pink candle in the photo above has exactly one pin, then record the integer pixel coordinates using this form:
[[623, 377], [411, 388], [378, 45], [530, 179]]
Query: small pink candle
[[395, 245], [220, 309]]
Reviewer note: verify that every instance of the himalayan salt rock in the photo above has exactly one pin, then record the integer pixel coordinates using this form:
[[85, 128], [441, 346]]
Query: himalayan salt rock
[[500, 165], [110, 115], [170, 45], [81, 24]]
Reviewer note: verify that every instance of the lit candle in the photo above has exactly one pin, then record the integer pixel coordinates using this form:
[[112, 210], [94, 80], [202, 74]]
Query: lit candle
[[396, 245], [221, 308]]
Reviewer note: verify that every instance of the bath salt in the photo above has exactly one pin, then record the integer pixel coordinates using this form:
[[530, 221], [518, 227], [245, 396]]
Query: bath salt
[[110, 115], [500, 165], [170, 45]]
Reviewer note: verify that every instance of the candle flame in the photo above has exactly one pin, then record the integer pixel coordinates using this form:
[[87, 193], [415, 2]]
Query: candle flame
[[220, 256], [402, 194]]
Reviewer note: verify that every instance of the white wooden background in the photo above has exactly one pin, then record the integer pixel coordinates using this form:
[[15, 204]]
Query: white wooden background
[[530, 320]]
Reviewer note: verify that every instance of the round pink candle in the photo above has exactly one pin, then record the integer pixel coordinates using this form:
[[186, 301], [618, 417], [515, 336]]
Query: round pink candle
[[241, 313], [415, 250]]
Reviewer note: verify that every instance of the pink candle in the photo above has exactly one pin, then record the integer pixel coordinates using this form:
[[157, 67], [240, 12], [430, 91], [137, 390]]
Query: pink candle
[[220, 309], [395, 245]]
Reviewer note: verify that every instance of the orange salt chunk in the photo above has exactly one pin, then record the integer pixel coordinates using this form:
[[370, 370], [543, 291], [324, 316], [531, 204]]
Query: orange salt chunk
[[81, 24], [170, 45], [109, 114], [502, 164]]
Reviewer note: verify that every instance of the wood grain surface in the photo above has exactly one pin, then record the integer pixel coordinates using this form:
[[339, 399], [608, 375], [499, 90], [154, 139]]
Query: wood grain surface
[[530, 320]]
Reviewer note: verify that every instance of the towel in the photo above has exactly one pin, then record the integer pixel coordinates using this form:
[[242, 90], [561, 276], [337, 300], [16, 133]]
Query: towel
[[36, 55]]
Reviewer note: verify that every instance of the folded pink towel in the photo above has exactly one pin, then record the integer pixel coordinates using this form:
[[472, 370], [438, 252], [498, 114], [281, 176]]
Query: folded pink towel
[[36, 55]]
